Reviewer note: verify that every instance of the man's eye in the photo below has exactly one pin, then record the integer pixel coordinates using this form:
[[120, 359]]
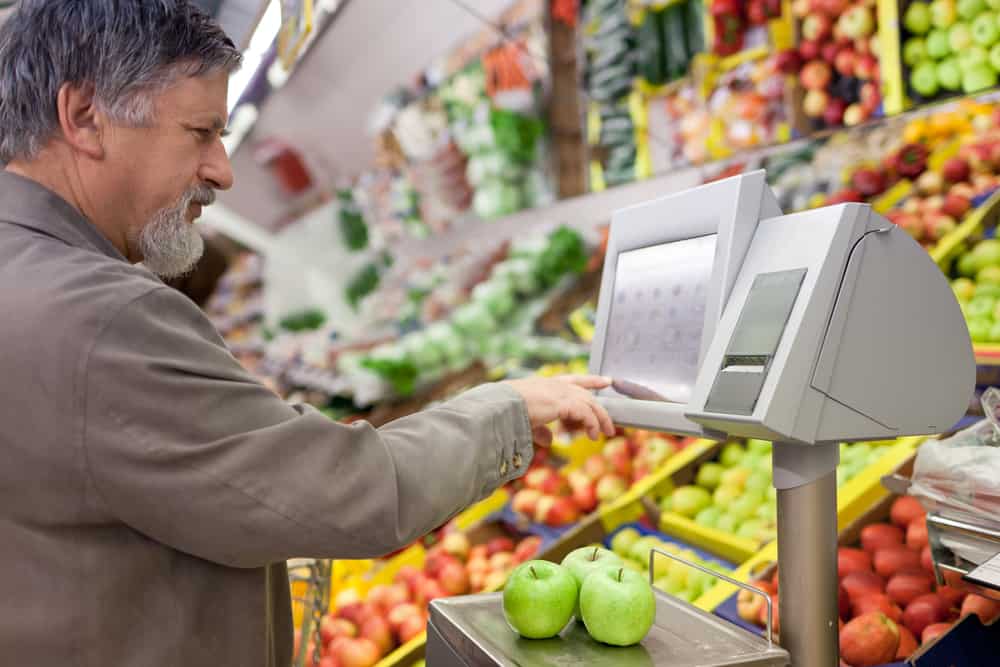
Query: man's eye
[[204, 133]]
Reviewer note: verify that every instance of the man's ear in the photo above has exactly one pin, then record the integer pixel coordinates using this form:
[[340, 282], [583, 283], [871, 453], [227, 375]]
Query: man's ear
[[83, 125]]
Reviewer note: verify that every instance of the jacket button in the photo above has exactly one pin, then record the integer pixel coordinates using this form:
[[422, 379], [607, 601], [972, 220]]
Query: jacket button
[[503, 468], [517, 460]]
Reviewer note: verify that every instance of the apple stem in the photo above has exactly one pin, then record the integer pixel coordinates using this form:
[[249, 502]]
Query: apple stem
[[593, 557], [533, 573], [620, 573]]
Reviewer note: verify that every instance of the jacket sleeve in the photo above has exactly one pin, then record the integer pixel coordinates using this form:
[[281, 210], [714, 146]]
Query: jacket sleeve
[[184, 446]]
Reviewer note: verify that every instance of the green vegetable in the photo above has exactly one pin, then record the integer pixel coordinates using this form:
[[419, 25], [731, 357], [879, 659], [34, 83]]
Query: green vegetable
[[400, 373], [650, 47], [353, 229], [364, 283], [694, 26], [678, 53], [306, 320], [516, 134], [565, 253]]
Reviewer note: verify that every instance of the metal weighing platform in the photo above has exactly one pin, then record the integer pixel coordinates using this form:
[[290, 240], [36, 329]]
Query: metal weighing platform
[[471, 630]]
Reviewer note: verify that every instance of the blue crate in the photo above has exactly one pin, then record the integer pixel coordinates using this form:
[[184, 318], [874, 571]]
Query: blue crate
[[549, 534]]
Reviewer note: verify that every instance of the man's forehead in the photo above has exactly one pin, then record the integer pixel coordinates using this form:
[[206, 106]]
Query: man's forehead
[[201, 96]]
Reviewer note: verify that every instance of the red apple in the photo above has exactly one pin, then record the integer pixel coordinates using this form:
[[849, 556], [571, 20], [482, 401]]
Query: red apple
[[916, 534], [815, 75], [833, 7], [852, 560], [788, 61], [436, 559], [844, 62], [879, 536], [525, 501], [377, 629], [585, 497], [956, 205], [816, 27], [431, 590], [905, 510], [870, 96], [412, 627], [809, 50], [595, 466], [855, 114], [906, 586], [387, 596], [454, 579], [987, 610], [408, 575], [876, 602], [359, 652], [456, 544], [907, 643], [327, 661], [933, 631], [868, 181], [554, 511], [843, 602], [546, 480], [814, 103], [912, 224], [478, 551], [951, 596], [866, 67], [890, 560], [398, 615], [495, 580], [923, 611], [499, 545], [527, 548], [748, 606], [357, 612], [862, 582], [330, 628], [502, 560], [776, 621], [956, 170], [834, 112], [869, 640], [610, 487]]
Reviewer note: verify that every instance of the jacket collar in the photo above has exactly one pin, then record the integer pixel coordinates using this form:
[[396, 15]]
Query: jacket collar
[[26, 203]]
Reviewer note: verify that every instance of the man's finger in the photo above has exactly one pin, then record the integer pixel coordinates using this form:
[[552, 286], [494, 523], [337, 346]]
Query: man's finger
[[607, 425], [582, 414], [587, 381], [542, 435]]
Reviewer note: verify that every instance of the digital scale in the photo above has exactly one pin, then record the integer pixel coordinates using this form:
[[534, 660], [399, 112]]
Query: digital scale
[[719, 316]]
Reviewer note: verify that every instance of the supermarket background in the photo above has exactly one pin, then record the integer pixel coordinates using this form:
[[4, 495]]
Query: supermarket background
[[422, 198]]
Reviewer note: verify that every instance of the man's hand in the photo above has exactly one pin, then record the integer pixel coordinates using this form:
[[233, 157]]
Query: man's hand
[[568, 399]]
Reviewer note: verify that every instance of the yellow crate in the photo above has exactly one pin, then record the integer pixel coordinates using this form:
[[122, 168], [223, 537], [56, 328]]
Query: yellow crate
[[407, 654], [948, 247], [481, 510], [890, 58], [730, 547]]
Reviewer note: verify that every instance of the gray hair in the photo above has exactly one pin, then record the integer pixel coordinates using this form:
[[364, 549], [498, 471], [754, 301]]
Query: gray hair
[[126, 50]]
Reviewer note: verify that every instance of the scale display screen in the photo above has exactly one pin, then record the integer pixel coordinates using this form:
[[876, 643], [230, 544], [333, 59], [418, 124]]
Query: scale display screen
[[656, 318]]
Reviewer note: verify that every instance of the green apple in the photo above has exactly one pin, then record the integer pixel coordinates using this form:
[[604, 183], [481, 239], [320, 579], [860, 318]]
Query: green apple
[[750, 529], [995, 56], [981, 307], [988, 275], [641, 547], [978, 77], [687, 595], [917, 18], [914, 50], [985, 30], [979, 330], [744, 507], [937, 44], [539, 599], [699, 582], [661, 583], [618, 606], [709, 475], [727, 523], [725, 495], [771, 494], [581, 562], [959, 37], [859, 451], [970, 9], [994, 335], [755, 446], [623, 541], [943, 13], [677, 576], [993, 4], [767, 512], [689, 500], [758, 481], [708, 517], [736, 477], [949, 74], [666, 504], [972, 57], [732, 454]]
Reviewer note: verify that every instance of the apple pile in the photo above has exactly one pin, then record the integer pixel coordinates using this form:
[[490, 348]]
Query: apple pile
[[836, 60], [951, 46], [556, 497], [361, 632], [669, 576], [615, 604], [889, 600], [735, 494], [978, 290]]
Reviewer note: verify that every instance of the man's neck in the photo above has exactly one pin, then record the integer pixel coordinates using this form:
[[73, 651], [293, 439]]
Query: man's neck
[[65, 182]]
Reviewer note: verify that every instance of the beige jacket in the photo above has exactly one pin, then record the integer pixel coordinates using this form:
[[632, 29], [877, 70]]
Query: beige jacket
[[150, 489]]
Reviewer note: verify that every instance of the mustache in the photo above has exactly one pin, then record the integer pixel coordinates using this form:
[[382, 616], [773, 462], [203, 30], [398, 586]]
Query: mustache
[[202, 195]]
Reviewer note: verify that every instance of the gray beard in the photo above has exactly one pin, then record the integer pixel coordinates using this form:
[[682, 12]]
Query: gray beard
[[171, 246]]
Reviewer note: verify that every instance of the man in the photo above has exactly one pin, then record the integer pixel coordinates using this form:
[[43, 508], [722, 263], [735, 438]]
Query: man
[[151, 490]]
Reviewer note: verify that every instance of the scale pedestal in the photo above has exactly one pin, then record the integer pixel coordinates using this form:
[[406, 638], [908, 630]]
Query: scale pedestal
[[806, 480]]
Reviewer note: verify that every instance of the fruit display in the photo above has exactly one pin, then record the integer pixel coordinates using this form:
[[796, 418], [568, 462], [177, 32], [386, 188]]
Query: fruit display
[[734, 494], [739, 25], [950, 47], [361, 631], [556, 496], [890, 603], [836, 61], [667, 37], [978, 290], [670, 576], [615, 604]]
